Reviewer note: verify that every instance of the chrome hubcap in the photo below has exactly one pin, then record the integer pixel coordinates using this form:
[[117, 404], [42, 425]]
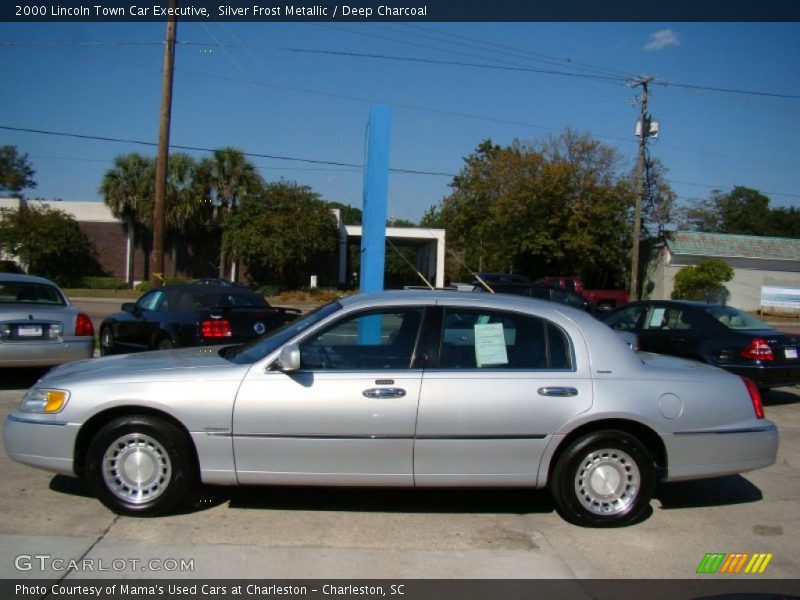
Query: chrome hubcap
[[607, 481], [136, 468]]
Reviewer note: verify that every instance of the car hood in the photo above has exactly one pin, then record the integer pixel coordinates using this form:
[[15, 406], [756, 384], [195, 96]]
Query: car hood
[[141, 366]]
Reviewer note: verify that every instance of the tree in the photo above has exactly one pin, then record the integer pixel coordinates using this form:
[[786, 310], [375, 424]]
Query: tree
[[49, 242], [742, 211], [16, 172], [280, 233], [188, 210], [559, 207], [703, 281], [230, 179], [128, 189], [349, 214]]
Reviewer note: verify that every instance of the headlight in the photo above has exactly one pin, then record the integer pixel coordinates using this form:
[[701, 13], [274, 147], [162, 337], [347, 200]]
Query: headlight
[[39, 400]]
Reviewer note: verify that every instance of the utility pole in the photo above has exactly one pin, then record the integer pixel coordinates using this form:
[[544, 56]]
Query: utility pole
[[644, 133], [159, 216]]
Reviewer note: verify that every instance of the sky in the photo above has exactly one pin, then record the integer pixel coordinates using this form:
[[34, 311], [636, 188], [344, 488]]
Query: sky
[[304, 91]]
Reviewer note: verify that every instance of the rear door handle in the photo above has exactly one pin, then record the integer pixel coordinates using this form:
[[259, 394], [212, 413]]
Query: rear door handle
[[561, 392], [384, 393]]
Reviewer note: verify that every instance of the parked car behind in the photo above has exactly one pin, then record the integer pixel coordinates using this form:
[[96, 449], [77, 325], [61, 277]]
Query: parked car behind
[[722, 336], [38, 325], [542, 292], [406, 389], [177, 316]]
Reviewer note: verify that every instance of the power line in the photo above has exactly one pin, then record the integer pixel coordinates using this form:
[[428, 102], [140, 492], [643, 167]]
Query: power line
[[202, 149], [614, 79]]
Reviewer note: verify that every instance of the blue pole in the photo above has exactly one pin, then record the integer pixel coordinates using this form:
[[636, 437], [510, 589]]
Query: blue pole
[[373, 227]]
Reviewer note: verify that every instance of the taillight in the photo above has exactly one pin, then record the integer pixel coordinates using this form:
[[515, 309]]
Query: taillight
[[755, 397], [758, 349], [216, 328], [83, 325]]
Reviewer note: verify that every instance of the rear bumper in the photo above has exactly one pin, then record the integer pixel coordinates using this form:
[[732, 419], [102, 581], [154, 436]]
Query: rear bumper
[[45, 353], [768, 376], [698, 454]]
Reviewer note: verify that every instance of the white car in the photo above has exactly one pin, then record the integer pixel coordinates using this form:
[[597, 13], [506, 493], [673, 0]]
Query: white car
[[410, 389], [38, 326]]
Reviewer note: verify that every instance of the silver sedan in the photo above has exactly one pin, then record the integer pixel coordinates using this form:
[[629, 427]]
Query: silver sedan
[[412, 389], [38, 326]]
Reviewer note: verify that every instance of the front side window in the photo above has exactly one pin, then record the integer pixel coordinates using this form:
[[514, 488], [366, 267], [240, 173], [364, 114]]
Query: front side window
[[375, 340], [625, 319], [477, 339], [151, 301]]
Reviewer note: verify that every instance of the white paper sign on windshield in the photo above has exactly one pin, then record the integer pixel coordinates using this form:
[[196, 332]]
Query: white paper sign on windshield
[[490, 345]]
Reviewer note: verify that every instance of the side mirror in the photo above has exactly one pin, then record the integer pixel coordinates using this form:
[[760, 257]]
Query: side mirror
[[129, 307], [289, 358]]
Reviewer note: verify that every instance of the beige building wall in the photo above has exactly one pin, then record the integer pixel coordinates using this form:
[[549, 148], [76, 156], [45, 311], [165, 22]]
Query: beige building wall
[[745, 287]]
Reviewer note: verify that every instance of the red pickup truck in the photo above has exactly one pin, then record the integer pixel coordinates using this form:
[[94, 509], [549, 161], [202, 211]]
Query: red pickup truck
[[600, 299]]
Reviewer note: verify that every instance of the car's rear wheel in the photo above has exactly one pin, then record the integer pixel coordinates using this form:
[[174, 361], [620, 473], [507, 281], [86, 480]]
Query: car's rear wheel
[[603, 479], [140, 465], [166, 344], [106, 342]]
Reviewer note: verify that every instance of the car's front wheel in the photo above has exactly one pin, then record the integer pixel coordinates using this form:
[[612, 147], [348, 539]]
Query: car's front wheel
[[140, 465], [603, 479]]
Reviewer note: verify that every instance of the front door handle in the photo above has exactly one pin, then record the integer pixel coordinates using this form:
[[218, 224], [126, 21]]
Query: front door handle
[[384, 393], [560, 392]]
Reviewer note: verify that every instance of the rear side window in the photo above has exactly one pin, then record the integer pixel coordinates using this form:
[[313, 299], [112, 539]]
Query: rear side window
[[669, 319], [624, 319], [476, 339], [734, 318]]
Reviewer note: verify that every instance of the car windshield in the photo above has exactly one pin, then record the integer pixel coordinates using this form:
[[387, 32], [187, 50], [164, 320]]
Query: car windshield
[[264, 345], [23, 292], [734, 318]]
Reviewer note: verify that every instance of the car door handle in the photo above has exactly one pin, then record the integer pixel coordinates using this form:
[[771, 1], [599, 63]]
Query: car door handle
[[384, 393], [557, 391]]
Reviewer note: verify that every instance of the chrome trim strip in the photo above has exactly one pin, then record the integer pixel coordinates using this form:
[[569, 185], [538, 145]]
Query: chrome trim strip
[[36, 422], [726, 431], [387, 436]]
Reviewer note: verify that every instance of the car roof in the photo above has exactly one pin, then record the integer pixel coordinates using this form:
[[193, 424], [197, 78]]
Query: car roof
[[22, 278], [488, 300]]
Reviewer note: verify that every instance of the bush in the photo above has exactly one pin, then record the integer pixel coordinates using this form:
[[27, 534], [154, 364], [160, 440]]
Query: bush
[[144, 286], [703, 282], [268, 290], [104, 283]]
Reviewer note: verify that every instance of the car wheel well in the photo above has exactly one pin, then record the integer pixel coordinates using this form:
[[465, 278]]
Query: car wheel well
[[93, 425], [651, 440]]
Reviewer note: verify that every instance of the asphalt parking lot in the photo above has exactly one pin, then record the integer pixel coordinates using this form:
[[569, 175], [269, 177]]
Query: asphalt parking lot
[[324, 533]]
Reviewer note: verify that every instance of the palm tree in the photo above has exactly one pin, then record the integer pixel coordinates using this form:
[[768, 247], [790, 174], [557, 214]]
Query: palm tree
[[188, 209], [229, 177], [127, 189]]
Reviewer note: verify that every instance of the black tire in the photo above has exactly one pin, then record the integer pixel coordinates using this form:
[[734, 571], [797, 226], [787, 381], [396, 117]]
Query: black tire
[[164, 464], [603, 457], [106, 342], [166, 344]]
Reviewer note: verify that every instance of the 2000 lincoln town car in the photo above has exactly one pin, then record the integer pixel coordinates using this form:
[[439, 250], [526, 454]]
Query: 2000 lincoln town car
[[412, 389]]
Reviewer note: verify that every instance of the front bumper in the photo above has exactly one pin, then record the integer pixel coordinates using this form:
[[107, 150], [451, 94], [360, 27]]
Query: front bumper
[[41, 442], [45, 353]]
